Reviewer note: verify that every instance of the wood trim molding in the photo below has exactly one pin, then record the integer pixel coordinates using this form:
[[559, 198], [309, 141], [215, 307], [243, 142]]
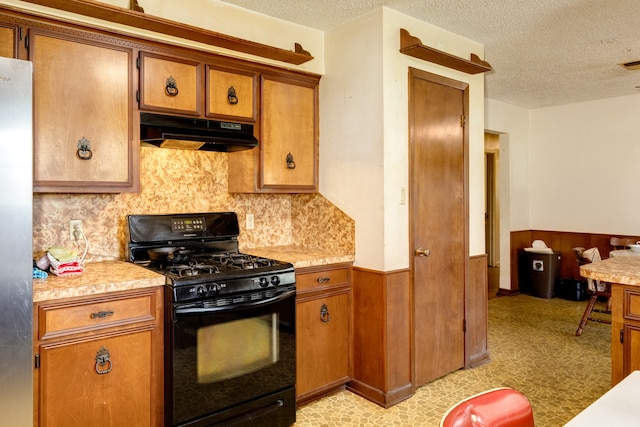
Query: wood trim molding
[[477, 313], [164, 26], [412, 46]]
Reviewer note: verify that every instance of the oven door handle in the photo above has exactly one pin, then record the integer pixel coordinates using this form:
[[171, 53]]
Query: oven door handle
[[186, 311]]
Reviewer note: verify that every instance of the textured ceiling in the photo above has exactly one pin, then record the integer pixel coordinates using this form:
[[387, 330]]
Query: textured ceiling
[[543, 52]]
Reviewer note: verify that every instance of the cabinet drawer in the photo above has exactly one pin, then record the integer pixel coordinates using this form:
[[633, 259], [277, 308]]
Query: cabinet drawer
[[55, 320], [317, 279]]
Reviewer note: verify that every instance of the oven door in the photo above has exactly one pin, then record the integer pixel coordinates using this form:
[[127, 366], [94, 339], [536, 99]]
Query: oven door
[[232, 363]]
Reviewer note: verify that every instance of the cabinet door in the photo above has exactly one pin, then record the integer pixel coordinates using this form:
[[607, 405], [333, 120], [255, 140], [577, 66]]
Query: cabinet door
[[98, 382], [169, 85], [322, 343], [631, 349], [231, 94], [289, 134], [8, 40], [625, 331], [82, 114]]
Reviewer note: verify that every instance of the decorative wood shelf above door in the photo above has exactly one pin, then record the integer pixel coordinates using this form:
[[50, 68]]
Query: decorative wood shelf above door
[[137, 19], [412, 46]]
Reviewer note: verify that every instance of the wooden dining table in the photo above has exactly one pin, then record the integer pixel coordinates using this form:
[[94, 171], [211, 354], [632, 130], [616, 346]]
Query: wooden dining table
[[623, 252]]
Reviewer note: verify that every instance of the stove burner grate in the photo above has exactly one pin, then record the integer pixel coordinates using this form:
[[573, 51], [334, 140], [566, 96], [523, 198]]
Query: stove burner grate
[[185, 270]]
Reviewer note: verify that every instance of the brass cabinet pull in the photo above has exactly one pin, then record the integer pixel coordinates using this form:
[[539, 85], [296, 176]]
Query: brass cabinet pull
[[323, 279], [84, 149], [290, 163], [102, 314], [171, 89], [232, 98], [103, 358], [324, 313]]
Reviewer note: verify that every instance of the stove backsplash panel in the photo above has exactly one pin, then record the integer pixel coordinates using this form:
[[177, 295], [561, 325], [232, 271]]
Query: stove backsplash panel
[[189, 181]]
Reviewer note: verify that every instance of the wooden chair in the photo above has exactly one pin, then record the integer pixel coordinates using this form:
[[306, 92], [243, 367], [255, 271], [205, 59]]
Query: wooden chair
[[621, 242], [597, 290], [503, 407]]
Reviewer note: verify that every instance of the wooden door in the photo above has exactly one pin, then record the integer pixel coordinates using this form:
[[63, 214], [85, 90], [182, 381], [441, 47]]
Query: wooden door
[[438, 222]]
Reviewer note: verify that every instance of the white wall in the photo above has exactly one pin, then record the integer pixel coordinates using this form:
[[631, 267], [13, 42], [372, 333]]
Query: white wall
[[213, 15], [585, 160], [363, 104], [571, 168], [351, 131], [512, 123], [515, 122], [363, 69]]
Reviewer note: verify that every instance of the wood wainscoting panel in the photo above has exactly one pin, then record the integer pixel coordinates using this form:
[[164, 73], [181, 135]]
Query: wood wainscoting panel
[[563, 242], [382, 336], [477, 316]]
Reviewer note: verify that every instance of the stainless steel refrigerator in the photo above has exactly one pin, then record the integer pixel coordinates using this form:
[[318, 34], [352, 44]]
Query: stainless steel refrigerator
[[16, 205]]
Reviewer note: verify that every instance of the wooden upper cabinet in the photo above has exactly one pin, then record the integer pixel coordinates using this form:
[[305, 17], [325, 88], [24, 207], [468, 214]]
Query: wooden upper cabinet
[[231, 94], [289, 134], [83, 130], [286, 160], [9, 40], [170, 85]]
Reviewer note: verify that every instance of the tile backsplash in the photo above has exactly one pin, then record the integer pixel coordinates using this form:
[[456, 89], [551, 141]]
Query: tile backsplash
[[181, 181]]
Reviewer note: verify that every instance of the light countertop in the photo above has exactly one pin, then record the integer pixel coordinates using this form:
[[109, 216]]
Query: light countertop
[[113, 276], [300, 256], [97, 278], [620, 269]]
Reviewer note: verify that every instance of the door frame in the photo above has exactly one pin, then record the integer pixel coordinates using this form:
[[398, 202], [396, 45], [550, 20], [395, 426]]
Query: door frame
[[464, 88], [492, 198]]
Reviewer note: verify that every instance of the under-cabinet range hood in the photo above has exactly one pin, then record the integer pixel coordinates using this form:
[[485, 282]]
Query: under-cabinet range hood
[[195, 134]]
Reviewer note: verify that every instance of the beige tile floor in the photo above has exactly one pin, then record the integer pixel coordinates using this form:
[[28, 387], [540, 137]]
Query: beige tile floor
[[533, 349]]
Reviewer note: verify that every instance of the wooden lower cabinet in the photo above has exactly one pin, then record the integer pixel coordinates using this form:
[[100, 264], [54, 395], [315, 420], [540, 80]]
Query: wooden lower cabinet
[[323, 336], [625, 331], [99, 360]]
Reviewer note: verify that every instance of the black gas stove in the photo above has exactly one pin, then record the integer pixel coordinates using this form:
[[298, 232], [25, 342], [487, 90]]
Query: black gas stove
[[198, 254], [230, 344]]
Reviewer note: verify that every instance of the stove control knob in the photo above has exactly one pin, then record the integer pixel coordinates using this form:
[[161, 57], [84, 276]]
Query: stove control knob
[[201, 291], [264, 282], [275, 280], [214, 289]]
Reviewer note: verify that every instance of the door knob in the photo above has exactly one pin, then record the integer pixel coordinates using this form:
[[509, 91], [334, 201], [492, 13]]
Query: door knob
[[422, 252]]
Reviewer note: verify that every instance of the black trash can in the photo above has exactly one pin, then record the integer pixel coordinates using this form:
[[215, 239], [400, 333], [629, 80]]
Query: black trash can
[[539, 273], [572, 289]]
